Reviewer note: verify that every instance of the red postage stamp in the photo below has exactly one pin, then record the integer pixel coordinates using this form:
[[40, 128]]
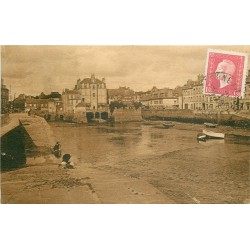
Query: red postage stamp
[[225, 73]]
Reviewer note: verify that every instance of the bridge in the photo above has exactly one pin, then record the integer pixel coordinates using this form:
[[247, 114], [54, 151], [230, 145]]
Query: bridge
[[24, 134]]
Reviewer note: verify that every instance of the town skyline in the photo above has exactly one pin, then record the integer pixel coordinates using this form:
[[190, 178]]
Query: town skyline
[[35, 69]]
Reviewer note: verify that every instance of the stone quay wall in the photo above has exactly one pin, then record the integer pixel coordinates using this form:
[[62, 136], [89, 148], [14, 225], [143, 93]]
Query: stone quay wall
[[186, 115], [127, 115]]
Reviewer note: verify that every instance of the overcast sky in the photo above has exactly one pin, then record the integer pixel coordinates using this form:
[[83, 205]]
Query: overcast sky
[[33, 69]]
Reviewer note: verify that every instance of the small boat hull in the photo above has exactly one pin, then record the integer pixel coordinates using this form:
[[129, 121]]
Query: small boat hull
[[213, 135], [168, 125], [210, 125], [202, 138]]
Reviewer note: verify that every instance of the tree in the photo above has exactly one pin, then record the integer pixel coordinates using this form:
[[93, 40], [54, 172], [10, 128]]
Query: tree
[[117, 105], [137, 105]]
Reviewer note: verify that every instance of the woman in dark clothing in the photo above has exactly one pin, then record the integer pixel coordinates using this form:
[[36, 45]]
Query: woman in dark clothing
[[66, 163]]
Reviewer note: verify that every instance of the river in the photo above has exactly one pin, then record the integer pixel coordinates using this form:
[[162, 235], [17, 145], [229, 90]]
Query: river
[[172, 160]]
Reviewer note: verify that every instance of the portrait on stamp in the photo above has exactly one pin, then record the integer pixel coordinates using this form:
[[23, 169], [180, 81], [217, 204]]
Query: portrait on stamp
[[225, 73]]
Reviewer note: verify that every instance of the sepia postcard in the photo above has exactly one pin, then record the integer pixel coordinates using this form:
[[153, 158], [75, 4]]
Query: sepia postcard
[[125, 124]]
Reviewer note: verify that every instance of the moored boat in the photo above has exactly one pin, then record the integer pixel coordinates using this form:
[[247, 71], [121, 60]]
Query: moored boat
[[210, 125], [168, 125], [201, 137], [213, 135]]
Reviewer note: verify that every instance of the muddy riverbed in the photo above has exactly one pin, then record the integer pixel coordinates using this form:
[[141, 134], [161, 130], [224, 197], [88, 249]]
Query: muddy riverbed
[[187, 171]]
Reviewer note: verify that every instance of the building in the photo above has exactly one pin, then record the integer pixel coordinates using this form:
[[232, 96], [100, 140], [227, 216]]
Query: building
[[122, 94], [245, 102], [70, 98], [93, 92], [159, 99], [4, 98], [192, 95], [193, 98], [40, 105], [163, 103], [80, 112]]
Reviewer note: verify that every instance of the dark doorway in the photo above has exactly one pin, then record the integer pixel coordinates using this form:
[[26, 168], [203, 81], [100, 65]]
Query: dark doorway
[[90, 116], [104, 115]]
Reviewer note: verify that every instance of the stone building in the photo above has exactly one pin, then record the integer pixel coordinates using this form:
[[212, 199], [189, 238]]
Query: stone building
[[192, 95], [194, 99], [70, 98], [93, 92], [43, 105], [4, 97], [122, 94], [160, 99], [245, 102]]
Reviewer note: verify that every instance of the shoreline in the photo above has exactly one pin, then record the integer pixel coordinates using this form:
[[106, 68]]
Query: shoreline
[[43, 182]]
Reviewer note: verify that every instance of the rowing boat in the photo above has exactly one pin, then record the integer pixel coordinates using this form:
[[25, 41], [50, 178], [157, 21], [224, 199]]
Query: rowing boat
[[213, 135], [210, 125], [168, 125]]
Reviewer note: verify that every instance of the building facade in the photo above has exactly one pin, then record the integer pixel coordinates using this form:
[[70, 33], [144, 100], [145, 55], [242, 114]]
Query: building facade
[[40, 105], [4, 98], [93, 92], [122, 94], [194, 99], [70, 98], [245, 102], [160, 99]]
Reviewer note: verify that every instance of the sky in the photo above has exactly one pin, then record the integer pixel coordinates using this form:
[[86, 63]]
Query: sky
[[35, 69]]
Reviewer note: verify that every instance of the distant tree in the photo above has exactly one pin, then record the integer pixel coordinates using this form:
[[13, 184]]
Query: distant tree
[[19, 104], [117, 105], [42, 96], [137, 105]]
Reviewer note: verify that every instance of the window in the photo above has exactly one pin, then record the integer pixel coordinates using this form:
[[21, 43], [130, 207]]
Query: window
[[93, 94]]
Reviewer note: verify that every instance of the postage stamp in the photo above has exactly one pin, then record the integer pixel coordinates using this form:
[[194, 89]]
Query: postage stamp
[[225, 73]]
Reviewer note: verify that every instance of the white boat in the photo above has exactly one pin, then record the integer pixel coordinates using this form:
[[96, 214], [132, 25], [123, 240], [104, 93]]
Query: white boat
[[213, 135], [201, 137], [210, 125]]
